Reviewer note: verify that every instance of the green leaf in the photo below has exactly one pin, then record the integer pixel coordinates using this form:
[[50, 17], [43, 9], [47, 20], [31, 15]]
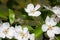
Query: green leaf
[[11, 16], [38, 32]]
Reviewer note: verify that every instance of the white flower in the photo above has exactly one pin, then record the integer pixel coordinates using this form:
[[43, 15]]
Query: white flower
[[11, 33], [32, 37], [56, 10], [21, 34], [50, 27], [6, 31], [33, 11]]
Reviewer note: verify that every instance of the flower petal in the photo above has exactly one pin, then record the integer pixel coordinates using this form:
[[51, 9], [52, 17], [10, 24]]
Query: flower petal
[[32, 37], [50, 33], [36, 14], [2, 35], [6, 25], [18, 28], [53, 22], [47, 20], [44, 28], [58, 15], [56, 10], [30, 6], [25, 39], [50, 21], [37, 7], [11, 32], [25, 30], [27, 10], [19, 38], [56, 30]]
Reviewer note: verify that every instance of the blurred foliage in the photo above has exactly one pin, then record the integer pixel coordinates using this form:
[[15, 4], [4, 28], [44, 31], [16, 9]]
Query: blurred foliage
[[57, 38], [58, 24], [38, 31], [17, 8]]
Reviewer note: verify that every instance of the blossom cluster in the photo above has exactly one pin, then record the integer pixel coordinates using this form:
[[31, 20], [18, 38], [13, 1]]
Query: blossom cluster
[[19, 33], [50, 23]]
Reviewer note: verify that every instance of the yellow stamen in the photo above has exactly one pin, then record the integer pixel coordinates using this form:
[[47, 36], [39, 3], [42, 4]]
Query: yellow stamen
[[23, 35], [33, 11], [50, 27], [5, 31]]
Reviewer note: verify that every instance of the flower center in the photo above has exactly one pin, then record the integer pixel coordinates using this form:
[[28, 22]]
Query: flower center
[[23, 35], [32, 11], [50, 27], [5, 31]]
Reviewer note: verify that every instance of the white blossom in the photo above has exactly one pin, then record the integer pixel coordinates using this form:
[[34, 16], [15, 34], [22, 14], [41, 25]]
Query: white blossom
[[50, 27], [18, 32], [11, 33], [21, 34], [6, 31], [54, 9], [32, 11]]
